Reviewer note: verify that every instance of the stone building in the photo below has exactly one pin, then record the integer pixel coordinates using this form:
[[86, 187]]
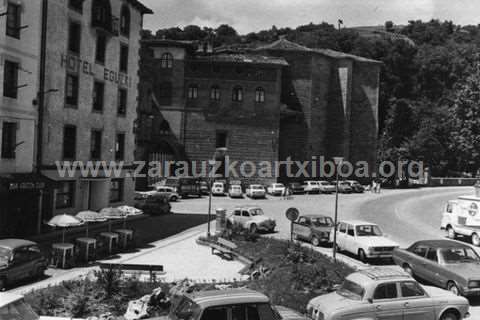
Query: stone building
[[269, 103], [20, 34], [91, 76]]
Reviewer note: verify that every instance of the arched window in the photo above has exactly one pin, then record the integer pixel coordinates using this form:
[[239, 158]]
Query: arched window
[[192, 91], [215, 93], [102, 14], [237, 94], [259, 95], [166, 61], [125, 21]]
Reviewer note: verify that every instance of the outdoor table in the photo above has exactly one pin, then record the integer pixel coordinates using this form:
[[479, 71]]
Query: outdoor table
[[87, 243], [65, 250], [126, 235], [111, 238]]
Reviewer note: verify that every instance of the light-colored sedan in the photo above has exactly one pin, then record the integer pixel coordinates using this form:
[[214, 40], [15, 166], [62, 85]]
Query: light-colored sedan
[[387, 293], [235, 191], [255, 191], [251, 218], [326, 187], [218, 189], [311, 187], [276, 189]]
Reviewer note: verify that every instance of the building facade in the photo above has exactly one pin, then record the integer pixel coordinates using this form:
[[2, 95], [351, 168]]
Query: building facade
[[296, 103], [20, 34], [89, 106]]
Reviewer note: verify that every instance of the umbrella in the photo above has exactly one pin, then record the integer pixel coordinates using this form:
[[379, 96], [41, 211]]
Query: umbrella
[[89, 216], [112, 213], [129, 211], [64, 221]]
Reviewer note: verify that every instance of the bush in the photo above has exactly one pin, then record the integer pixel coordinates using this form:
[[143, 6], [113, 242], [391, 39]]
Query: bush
[[109, 280]]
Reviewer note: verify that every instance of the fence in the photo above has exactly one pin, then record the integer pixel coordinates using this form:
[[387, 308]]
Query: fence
[[437, 182]]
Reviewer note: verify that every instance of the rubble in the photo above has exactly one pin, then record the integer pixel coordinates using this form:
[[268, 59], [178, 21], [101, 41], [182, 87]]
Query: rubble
[[147, 305]]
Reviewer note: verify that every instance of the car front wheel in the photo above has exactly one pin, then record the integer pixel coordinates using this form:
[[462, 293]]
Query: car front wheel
[[452, 287], [315, 241], [475, 240], [253, 228], [173, 198], [408, 269], [449, 315], [362, 256], [451, 233], [3, 284]]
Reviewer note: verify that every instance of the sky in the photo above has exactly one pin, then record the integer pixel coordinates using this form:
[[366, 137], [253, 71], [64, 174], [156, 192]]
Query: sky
[[255, 15]]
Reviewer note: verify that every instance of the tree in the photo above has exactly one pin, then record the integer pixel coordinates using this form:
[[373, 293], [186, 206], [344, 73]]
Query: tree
[[389, 26]]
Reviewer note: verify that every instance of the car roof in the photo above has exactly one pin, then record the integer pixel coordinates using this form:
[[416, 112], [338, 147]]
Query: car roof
[[15, 243], [374, 274], [314, 216], [7, 298], [211, 298], [246, 207], [256, 185], [442, 243], [358, 222]]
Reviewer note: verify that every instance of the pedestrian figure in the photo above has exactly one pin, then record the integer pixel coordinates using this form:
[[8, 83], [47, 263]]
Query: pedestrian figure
[[379, 186], [373, 187]]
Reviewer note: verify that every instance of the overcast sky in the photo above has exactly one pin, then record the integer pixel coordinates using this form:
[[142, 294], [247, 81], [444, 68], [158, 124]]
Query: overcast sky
[[254, 15]]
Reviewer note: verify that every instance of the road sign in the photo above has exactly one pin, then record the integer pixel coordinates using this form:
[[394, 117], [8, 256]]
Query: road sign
[[292, 214]]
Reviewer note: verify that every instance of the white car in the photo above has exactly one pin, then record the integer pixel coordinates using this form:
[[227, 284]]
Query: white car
[[235, 191], [311, 187], [252, 219], [218, 189], [276, 189], [170, 191], [364, 239], [14, 307], [255, 191], [325, 187]]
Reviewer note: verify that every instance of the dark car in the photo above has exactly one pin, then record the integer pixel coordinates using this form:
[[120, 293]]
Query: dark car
[[313, 228], [356, 186], [186, 187], [445, 263], [296, 188], [156, 204], [19, 260]]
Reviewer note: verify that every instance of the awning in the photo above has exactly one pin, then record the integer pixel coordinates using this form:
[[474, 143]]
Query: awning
[[25, 181]]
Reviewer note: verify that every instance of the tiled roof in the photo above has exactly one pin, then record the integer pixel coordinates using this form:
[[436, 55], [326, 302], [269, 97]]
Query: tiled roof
[[284, 44], [244, 58]]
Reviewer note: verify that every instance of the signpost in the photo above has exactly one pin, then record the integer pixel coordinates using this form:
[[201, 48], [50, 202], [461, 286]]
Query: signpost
[[292, 215]]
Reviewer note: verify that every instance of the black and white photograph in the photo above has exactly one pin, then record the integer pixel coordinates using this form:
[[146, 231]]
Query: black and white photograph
[[239, 160]]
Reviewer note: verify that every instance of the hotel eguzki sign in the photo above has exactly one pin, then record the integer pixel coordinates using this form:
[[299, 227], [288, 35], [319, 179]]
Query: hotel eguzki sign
[[77, 65]]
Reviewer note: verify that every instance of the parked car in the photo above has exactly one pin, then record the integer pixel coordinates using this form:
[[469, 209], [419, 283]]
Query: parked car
[[364, 239], [276, 189], [169, 192], [311, 187], [229, 304], [204, 187], [235, 191], [218, 188], [140, 195], [255, 191], [461, 217], [387, 293], [185, 187], [313, 228], [252, 219], [156, 204], [343, 187], [296, 188], [14, 307], [444, 263], [325, 187], [356, 186], [20, 260]]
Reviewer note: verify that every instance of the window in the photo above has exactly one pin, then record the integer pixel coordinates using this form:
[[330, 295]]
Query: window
[[166, 61], [74, 37], [237, 94], [193, 91], [215, 93], [96, 145], [217, 313], [432, 255], [385, 291], [101, 13], [221, 139], [101, 48], [65, 195], [71, 94], [411, 289], [120, 146], [245, 213], [122, 102], [252, 313], [116, 190], [76, 5], [125, 21], [351, 232], [165, 93], [123, 58], [69, 142], [343, 228], [9, 140], [10, 79], [420, 251], [14, 20], [98, 96], [259, 95]]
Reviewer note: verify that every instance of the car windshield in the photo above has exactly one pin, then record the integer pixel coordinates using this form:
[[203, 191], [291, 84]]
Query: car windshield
[[351, 290], [256, 212], [257, 187], [322, 222], [17, 310], [368, 231], [458, 255]]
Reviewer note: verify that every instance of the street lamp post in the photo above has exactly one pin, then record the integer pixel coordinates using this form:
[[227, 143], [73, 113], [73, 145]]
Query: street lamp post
[[210, 182], [338, 161]]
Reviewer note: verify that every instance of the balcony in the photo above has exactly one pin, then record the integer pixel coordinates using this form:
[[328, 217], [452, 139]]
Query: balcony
[[108, 24]]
